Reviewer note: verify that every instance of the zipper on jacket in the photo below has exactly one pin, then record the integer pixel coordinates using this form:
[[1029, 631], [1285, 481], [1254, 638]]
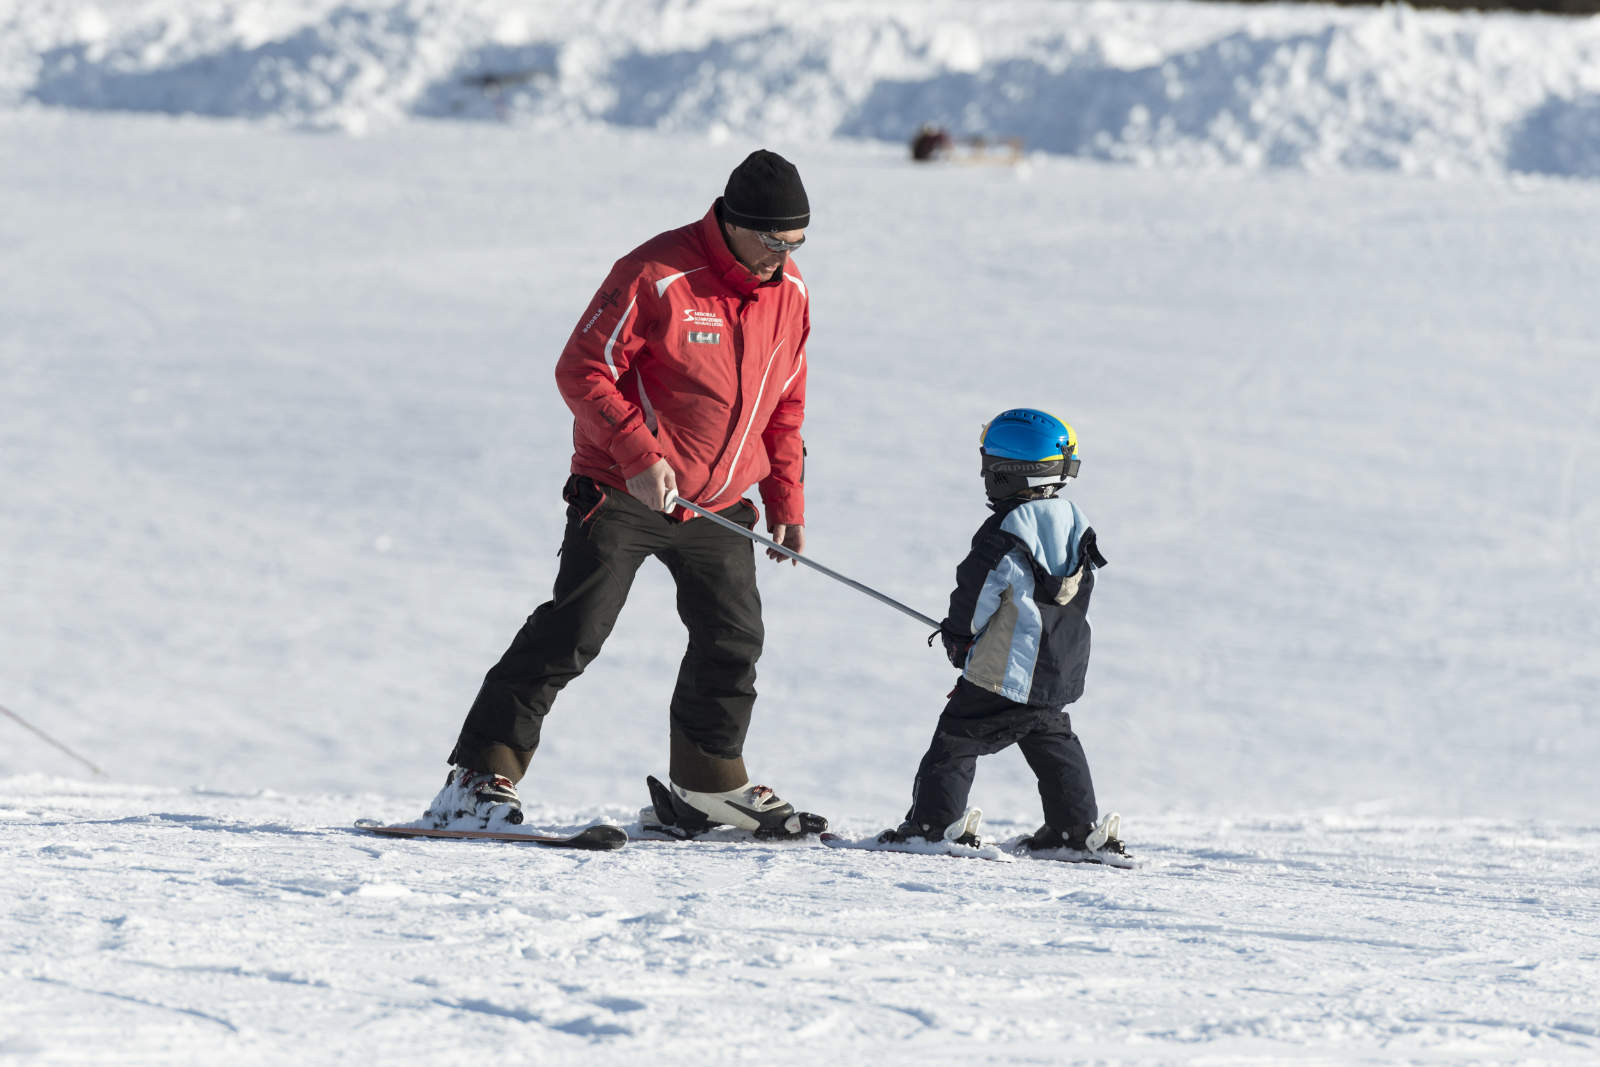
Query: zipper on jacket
[[738, 406]]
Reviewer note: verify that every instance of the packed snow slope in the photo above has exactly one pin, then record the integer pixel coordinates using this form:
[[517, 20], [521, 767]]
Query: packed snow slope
[[280, 456], [1160, 84], [174, 927]]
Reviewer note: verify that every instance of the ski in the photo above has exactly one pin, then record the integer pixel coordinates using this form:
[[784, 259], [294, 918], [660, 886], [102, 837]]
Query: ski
[[598, 838], [1094, 850], [993, 853], [1072, 855], [961, 839], [651, 829]]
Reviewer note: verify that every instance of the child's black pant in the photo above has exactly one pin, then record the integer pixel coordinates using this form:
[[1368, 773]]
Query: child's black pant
[[977, 723]]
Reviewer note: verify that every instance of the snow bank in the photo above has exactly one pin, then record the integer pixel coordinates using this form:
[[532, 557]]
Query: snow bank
[[1153, 84]]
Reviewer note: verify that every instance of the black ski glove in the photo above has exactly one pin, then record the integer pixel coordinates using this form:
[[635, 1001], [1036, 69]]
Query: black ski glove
[[956, 644]]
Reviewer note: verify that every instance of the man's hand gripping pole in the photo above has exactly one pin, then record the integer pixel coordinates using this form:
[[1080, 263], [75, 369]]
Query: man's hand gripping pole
[[674, 500]]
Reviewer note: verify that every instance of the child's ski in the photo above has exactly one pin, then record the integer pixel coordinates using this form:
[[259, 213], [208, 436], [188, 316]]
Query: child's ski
[[1102, 845], [595, 838], [1120, 860], [920, 848]]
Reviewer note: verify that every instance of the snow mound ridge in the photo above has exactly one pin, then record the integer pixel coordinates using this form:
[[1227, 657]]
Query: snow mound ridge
[[1155, 85]]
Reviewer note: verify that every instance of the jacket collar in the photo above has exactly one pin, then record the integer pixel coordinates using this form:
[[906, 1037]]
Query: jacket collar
[[1006, 505], [722, 260]]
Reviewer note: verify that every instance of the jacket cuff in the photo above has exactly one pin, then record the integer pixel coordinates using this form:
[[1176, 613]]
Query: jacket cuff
[[638, 466], [786, 504], [635, 451]]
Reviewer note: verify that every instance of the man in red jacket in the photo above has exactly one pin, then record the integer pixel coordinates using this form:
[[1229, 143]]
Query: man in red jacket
[[686, 375]]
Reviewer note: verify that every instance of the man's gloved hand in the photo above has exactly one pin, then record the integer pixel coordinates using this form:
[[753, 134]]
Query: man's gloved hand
[[956, 643]]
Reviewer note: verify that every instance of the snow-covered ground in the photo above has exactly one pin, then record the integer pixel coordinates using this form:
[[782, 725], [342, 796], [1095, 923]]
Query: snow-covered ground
[[177, 926], [279, 464]]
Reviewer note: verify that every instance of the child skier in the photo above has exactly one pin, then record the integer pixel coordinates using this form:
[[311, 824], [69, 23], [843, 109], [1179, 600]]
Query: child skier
[[1019, 630]]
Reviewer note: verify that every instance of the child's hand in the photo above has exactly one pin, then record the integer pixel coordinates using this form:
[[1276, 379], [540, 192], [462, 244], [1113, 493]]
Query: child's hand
[[956, 646]]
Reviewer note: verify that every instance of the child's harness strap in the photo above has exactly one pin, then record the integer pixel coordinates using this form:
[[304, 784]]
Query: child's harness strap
[[1063, 589]]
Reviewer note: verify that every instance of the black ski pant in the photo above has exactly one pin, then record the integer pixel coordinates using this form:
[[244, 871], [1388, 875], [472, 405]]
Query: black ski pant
[[609, 534], [976, 722]]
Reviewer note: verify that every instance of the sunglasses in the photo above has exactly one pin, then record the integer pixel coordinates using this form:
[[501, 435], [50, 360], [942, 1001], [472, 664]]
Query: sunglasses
[[777, 244]]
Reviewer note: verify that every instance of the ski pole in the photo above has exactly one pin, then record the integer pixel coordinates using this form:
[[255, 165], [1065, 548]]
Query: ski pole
[[26, 725], [674, 500]]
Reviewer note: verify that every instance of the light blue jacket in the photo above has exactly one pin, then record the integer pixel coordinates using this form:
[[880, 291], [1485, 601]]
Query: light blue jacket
[[1023, 594]]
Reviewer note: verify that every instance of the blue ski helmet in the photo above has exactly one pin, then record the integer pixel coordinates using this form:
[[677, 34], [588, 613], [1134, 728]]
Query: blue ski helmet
[[1025, 448]]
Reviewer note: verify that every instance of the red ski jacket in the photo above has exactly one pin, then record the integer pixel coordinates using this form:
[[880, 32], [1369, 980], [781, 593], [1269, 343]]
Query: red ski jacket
[[684, 355]]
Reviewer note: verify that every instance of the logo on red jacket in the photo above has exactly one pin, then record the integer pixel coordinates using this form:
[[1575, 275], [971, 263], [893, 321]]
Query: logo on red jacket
[[701, 318], [607, 300]]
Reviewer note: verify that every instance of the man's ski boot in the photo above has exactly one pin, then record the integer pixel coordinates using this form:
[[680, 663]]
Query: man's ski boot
[[1097, 843], [474, 799], [684, 813], [964, 831]]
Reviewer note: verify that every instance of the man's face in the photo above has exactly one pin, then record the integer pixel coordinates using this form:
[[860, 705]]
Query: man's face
[[751, 248]]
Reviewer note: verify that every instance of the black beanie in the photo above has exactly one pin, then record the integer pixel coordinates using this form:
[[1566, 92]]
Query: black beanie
[[764, 193]]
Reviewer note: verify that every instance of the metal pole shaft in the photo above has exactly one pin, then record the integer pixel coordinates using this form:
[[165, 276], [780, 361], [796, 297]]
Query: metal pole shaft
[[678, 501], [26, 725]]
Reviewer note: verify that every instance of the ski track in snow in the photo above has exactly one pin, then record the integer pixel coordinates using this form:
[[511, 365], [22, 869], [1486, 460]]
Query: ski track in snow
[[145, 919]]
